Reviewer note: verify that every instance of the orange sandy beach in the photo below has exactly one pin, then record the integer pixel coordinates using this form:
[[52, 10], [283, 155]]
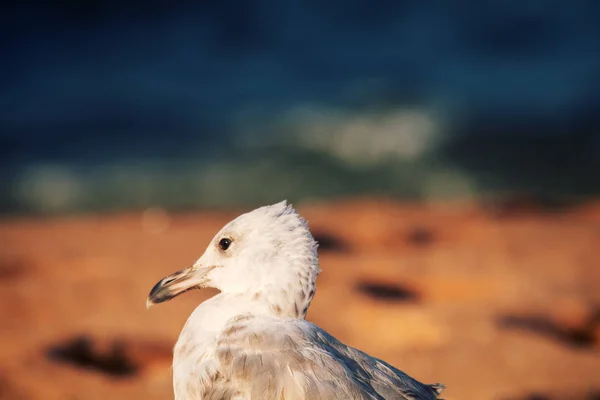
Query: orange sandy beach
[[496, 301]]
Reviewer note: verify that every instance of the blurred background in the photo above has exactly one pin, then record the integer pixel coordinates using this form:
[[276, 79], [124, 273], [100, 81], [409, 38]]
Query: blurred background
[[447, 156], [110, 105]]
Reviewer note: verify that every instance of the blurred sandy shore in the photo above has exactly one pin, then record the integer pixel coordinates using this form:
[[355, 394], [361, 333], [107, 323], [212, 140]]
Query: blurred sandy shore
[[497, 302]]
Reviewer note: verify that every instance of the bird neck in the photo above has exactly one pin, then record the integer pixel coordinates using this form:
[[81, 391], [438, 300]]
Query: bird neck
[[291, 301], [285, 302], [213, 315]]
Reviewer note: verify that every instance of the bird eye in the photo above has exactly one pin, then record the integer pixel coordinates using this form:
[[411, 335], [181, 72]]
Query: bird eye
[[224, 243]]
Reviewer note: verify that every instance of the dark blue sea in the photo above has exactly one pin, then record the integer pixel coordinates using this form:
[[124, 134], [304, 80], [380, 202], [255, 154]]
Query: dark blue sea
[[110, 105]]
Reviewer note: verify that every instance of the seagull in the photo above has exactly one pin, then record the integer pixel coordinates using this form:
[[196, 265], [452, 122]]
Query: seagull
[[252, 341]]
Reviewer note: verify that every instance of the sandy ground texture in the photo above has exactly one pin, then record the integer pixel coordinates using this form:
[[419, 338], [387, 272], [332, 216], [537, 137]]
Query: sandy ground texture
[[497, 301]]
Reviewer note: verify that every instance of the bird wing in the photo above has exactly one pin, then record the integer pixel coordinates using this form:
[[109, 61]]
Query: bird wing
[[271, 358]]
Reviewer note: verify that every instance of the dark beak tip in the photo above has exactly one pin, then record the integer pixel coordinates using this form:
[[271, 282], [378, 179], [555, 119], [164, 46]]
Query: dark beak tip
[[157, 294], [156, 288]]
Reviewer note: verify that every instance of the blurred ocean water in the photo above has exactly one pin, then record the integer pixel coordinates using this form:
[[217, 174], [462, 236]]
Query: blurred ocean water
[[112, 105]]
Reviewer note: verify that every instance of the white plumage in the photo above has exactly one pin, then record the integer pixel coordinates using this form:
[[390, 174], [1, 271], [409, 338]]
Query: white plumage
[[251, 341]]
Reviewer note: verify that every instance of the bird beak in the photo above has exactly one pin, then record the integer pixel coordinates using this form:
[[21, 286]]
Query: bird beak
[[177, 283]]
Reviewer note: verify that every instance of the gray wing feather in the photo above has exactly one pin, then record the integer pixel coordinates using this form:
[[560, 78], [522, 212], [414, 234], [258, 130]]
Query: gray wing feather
[[269, 358]]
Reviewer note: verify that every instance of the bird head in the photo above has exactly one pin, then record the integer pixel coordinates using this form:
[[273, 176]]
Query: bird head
[[267, 249]]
